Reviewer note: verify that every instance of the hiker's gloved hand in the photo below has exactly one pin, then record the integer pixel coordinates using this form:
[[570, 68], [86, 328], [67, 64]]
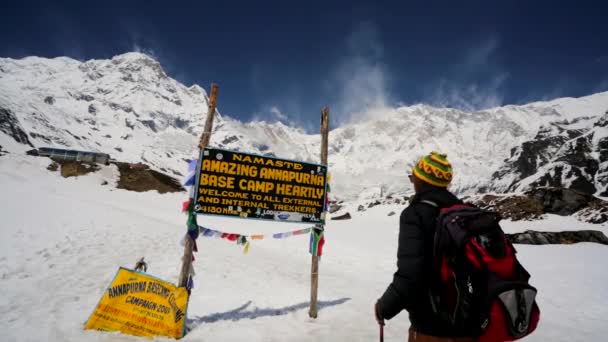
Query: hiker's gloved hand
[[377, 314]]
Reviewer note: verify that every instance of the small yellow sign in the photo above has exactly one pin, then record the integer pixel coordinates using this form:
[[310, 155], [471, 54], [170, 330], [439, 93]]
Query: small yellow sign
[[142, 305]]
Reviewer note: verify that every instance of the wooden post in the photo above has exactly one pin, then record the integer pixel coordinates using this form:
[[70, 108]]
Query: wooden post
[[314, 270], [204, 141]]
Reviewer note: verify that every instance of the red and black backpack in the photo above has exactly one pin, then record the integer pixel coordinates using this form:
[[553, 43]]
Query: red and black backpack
[[477, 286]]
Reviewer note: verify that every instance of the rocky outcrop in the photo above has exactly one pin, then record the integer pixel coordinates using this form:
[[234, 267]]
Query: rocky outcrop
[[530, 237], [342, 217], [512, 207], [561, 201], [139, 177], [533, 204], [333, 207], [561, 155], [74, 169], [10, 125]]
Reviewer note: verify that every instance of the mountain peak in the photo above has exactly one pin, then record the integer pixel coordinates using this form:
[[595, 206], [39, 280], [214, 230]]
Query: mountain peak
[[134, 56]]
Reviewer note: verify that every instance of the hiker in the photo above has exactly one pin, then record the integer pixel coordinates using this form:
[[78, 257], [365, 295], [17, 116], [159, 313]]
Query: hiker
[[409, 290], [457, 273]]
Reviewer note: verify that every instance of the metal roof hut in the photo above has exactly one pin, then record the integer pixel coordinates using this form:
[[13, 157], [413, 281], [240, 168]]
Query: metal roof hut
[[58, 154]]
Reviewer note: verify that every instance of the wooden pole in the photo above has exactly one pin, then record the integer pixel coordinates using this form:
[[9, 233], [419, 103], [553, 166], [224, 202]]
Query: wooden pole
[[204, 141], [314, 270]]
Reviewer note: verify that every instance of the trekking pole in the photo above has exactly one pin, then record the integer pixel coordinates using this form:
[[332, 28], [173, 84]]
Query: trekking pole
[[381, 332]]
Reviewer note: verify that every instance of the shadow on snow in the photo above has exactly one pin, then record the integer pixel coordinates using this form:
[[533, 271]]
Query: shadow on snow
[[241, 312]]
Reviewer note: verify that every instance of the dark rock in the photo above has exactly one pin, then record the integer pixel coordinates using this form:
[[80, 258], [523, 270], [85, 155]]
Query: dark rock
[[129, 124], [603, 149], [536, 202], [603, 121], [262, 147], [150, 124], [126, 137], [391, 213], [361, 208], [560, 201], [53, 167], [596, 212], [373, 204], [181, 124], [41, 137], [333, 207], [10, 125], [107, 136], [49, 100], [84, 97], [531, 237], [342, 217], [230, 139], [118, 149], [92, 109], [104, 183]]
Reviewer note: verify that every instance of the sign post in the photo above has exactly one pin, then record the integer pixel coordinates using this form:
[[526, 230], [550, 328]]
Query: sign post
[[314, 270], [204, 141]]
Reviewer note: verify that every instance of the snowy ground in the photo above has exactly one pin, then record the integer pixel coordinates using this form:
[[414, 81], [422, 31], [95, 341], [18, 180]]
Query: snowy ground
[[62, 240]]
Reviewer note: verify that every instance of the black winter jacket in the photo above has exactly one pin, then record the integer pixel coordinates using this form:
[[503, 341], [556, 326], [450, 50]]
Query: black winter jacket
[[409, 289]]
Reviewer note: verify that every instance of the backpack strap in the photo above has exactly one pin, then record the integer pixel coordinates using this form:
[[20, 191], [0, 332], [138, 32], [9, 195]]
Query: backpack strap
[[431, 203]]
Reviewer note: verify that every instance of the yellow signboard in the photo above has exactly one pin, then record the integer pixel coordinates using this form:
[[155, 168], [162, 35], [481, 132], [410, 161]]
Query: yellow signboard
[[142, 305]]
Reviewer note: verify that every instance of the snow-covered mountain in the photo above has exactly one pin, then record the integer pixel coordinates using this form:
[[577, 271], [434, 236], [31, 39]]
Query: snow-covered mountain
[[129, 107], [571, 154]]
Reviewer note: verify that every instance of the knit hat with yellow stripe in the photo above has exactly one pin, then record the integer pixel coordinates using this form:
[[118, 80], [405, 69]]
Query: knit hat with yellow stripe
[[434, 169]]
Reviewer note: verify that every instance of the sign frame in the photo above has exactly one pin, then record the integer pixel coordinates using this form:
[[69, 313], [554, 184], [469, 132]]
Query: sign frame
[[322, 211]]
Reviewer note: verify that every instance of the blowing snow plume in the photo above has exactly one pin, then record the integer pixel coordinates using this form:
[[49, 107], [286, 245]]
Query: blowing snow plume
[[361, 77]]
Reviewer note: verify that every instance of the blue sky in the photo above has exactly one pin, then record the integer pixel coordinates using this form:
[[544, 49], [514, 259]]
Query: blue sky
[[284, 60]]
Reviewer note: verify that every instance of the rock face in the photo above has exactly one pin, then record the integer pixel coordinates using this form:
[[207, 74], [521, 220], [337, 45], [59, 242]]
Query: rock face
[[531, 237], [533, 204], [561, 201], [571, 154], [10, 125]]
